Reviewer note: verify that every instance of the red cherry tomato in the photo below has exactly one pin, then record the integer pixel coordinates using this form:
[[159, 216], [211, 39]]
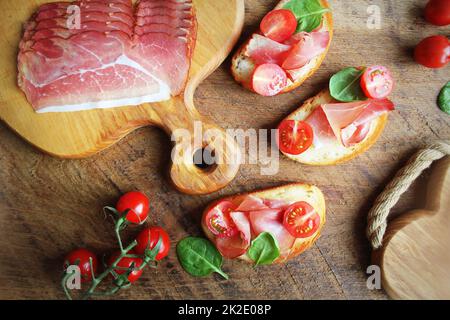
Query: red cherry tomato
[[269, 79], [148, 239], [137, 203], [219, 222], [81, 258], [127, 263], [295, 137], [279, 25], [433, 52], [301, 220], [377, 82], [437, 12]]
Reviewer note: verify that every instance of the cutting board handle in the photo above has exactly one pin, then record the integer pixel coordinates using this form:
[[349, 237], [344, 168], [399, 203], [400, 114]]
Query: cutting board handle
[[192, 134], [412, 252], [378, 215]]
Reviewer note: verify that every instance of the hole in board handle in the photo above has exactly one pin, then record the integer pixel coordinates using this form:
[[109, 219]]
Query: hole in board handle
[[205, 159]]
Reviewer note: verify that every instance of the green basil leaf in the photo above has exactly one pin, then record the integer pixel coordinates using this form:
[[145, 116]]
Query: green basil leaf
[[199, 257], [345, 85], [264, 249], [309, 14], [444, 98]]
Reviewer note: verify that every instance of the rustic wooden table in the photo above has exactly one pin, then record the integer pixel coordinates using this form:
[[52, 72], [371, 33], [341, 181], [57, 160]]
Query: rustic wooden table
[[50, 206]]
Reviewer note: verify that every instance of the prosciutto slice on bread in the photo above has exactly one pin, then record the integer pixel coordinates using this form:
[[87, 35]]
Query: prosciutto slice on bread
[[348, 122], [283, 40], [232, 224], [337, 131]]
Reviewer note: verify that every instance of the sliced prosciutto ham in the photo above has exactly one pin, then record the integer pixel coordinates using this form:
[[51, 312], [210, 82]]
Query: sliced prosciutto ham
[[271, 220], [292, 55], [52, 9], [348, 122], [306, 46], [236, 245], [117, 57], [263, 50], [251, 203], [251, 217]]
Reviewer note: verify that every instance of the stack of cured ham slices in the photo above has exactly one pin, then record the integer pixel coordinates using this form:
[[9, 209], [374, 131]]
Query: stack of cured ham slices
[[106, 53]]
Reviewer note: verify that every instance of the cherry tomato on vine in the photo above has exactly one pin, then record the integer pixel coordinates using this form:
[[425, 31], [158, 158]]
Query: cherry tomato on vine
[[301, 220], [149, 238], [433, 52], [127, 263], [377, 82], [137, 203], [295, 137], [81, 258], [279, 25], [219, 222], [437, 12]]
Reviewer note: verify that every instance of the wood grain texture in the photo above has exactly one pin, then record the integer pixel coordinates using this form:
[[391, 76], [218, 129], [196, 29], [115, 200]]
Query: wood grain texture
[[415, 257], [80, 134], [50, 206]]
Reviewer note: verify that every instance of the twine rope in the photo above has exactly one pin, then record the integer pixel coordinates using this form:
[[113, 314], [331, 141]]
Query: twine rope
[[422, 160]]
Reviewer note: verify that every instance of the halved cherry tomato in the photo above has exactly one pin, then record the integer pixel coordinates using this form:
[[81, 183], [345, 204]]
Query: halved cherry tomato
[[269, 79], [437, 12], [81, 258], [137, 203], [295, 137], [301, 220], [149, 238], [219, 222], [279, 25], [377, 82], [127, 263], [433, 52]]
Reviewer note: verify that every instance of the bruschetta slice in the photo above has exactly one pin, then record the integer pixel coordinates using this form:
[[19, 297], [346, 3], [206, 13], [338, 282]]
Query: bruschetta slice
[[268, 226], [341, 122], [288, 48]]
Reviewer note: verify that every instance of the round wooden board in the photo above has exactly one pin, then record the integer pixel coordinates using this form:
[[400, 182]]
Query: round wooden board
[[80, 134], [415, 257]]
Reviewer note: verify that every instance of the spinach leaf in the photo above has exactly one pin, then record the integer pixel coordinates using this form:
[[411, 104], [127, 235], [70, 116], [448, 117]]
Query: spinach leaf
[[444, 98], [345, 85], [264, 249], [309, 14], [199, 257]]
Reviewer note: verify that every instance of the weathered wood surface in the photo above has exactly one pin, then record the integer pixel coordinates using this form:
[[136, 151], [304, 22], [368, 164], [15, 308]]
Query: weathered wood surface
[[50, 206]]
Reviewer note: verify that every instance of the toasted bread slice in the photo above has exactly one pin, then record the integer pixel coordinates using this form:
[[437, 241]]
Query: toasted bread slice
[[334, 152], [242, 67], [290, 193]]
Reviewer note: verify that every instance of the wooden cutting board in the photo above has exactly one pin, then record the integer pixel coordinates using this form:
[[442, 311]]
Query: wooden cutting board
[[81, 134], [415, 257]]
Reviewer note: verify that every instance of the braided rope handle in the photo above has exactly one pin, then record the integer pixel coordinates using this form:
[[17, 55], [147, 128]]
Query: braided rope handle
[[377, 219]]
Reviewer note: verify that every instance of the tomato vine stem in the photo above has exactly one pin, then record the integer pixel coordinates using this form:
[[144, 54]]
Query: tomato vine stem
[[120, 281]]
